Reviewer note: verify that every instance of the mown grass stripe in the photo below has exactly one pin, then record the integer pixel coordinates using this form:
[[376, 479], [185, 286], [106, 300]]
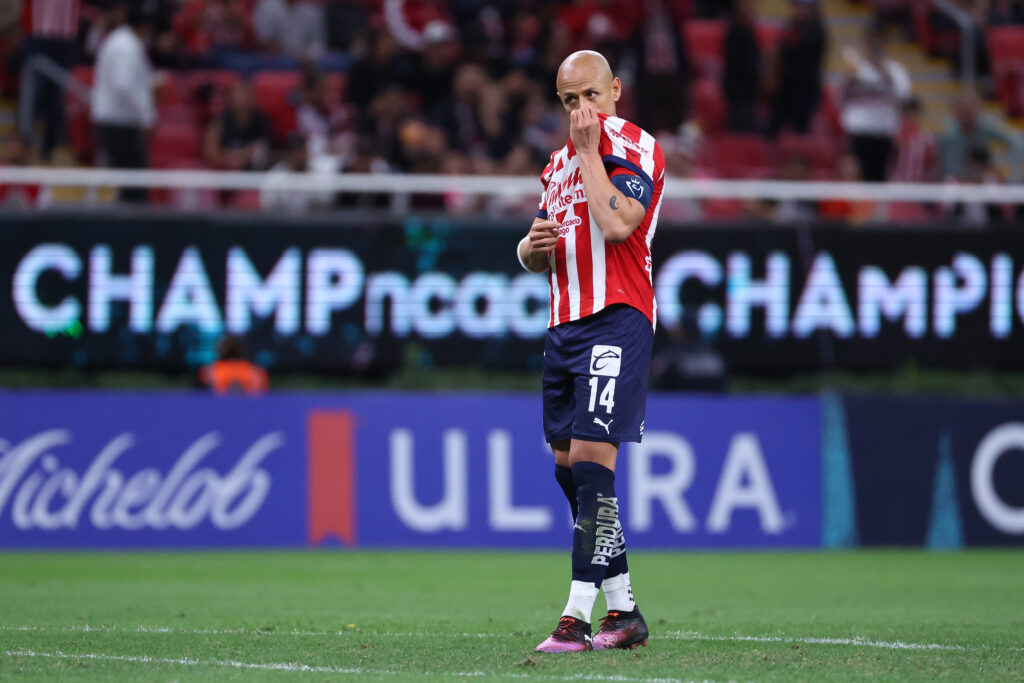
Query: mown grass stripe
[[856, 641], [306, 668]]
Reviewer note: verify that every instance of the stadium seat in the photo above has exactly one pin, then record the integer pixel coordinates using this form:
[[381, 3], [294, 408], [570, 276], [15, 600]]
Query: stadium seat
[[704, 42], [273, 93], [819, 152], [709, 104], [185, 114], [173, 143], [769, 35], [741, 156], [1006, 54], [172, 89], [207, 89]]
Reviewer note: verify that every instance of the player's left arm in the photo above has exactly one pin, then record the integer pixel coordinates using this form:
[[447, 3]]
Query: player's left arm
[[616, 213]]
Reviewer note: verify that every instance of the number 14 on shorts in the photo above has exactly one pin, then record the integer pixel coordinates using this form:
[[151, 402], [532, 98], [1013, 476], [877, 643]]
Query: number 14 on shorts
[[605, 361], [607, 397]]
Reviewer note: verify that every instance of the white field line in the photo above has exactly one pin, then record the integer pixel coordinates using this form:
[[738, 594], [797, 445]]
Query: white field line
[[856, 641], [306, 668]]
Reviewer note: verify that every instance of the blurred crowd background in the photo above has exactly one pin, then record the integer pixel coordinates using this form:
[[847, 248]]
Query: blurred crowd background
[[770, 89]]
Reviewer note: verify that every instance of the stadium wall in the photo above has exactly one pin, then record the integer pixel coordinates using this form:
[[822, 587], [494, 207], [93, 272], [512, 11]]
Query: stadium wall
[[108, 470], [345, 295]]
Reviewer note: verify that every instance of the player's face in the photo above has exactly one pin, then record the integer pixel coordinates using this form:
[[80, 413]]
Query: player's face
[[588, 85]]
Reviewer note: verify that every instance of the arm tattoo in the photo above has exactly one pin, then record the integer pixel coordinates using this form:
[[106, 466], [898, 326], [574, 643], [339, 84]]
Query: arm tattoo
[[614, 203]]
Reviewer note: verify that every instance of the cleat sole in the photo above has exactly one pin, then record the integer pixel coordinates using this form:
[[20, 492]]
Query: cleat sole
[[642, 643]]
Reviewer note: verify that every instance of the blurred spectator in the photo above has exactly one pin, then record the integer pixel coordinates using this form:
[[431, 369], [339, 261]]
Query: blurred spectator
[[917, 157], [346, 21], [294, 27], [273, 197], [239, 138], [380, 67], [232, 373], [213, 24], [873, 93], [323, 123], [164, 45], [681, 153], [14, 152], [50, 29], [122, 95], [412, 21], [795, 169], [433, 73], [687, 361], [846, 210], [741, 80], [797, 76], [979, 170], [969, 129], [663, 69], [1001, 12]]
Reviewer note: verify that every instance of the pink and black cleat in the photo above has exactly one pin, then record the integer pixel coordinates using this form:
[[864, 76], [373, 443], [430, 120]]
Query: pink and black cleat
[[622, 631], [572, 635]]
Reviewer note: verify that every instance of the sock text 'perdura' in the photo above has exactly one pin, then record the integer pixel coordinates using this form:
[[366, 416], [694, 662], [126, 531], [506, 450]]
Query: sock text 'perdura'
[[609, 540]]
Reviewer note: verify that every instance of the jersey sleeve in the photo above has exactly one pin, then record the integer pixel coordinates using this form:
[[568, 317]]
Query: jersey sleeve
[[625, 145]]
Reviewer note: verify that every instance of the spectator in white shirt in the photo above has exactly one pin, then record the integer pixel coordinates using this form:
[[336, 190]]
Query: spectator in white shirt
[[873, 93], [122, 96], [294, 27]]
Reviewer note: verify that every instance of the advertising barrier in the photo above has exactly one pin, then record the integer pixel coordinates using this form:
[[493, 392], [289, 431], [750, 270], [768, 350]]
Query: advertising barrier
[[937, 473], [96, 470], [108, 290]]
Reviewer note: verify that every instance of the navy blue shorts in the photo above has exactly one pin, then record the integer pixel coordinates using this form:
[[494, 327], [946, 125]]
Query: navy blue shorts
[[595, 377]]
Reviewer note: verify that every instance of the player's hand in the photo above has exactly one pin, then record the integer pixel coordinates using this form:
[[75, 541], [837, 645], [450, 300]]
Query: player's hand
[[544, 236], [585, 128]]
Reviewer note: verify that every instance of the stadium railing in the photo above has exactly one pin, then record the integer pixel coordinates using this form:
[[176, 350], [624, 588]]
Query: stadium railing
[[500, 186]]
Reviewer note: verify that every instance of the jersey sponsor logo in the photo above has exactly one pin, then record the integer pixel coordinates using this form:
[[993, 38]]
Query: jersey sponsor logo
[[635, 187], [607, 425], [627, 142], [605, 360], [572, 222]]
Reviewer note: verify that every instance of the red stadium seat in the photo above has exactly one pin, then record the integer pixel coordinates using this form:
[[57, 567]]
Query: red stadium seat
[[819, 152], [174, 143], [704, 42], [1005, 43], [273, 91], [207, 88], [742, 156], [769, 35], [173, 89], [709, 104], [184, 114]]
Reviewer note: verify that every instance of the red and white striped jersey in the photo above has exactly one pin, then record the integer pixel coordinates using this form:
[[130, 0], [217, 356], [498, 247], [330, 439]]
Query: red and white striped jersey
[[587, 273], [51, 18]]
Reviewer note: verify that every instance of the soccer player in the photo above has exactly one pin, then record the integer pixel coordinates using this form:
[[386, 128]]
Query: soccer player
[[592, 235]]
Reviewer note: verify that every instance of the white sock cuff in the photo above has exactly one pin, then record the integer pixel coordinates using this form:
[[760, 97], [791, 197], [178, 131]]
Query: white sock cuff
[[582, 595], [616, 582]]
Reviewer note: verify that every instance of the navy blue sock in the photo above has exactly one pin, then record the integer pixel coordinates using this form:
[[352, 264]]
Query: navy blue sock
[[618, 564], [597, 535], [564, 477]]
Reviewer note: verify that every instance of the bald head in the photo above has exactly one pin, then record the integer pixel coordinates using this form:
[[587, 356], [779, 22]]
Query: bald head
[[585, 76]]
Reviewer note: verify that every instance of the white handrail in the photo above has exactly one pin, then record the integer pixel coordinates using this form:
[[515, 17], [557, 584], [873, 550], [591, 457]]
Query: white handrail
[[500, 186], [47, 68], [968, 40]]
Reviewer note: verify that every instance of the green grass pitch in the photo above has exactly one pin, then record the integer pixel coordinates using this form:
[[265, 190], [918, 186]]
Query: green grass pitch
[[297, 616]]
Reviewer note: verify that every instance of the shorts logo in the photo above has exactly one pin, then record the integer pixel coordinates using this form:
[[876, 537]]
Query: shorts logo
[[605, 360]]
